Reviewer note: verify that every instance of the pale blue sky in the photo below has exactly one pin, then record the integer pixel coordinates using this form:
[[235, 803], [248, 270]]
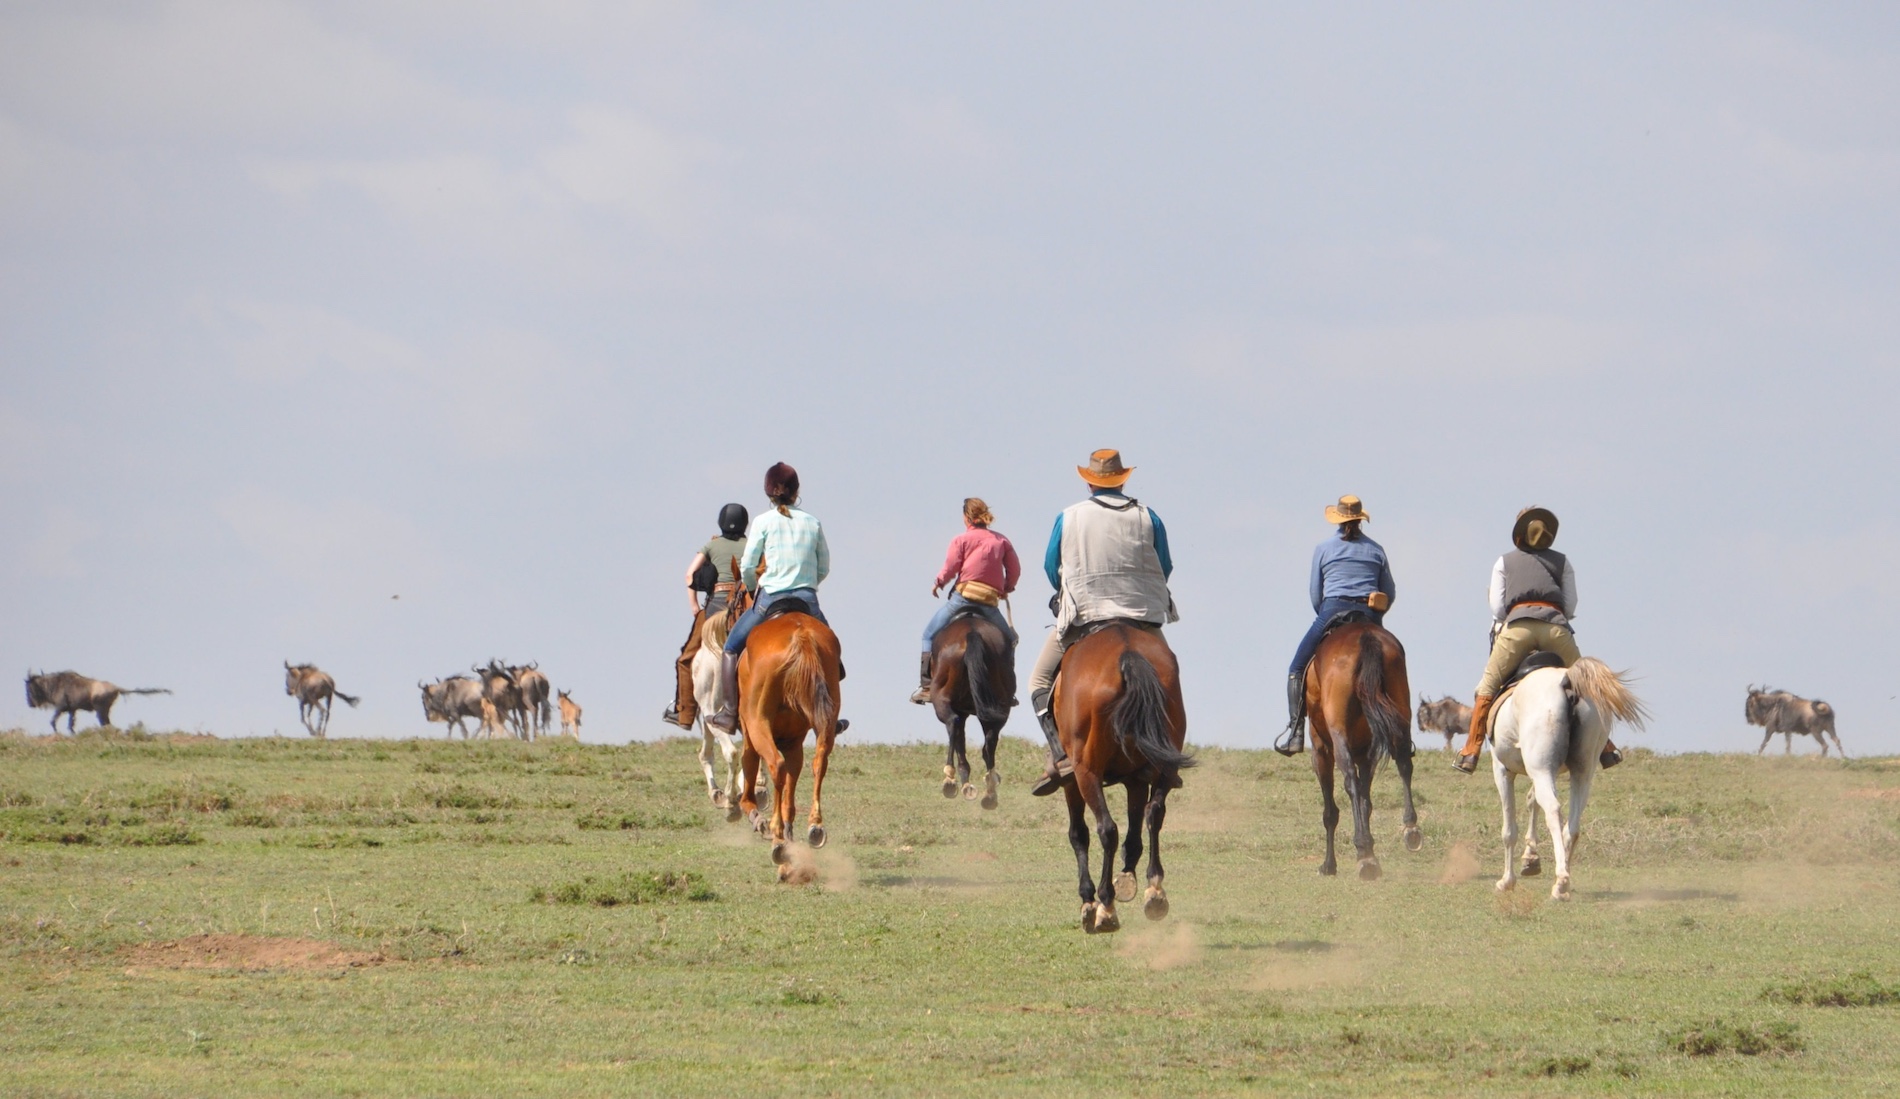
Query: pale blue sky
[[493, 306]]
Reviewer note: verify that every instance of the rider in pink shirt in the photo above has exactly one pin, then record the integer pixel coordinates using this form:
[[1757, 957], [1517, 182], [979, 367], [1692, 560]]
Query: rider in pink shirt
[[985, 568]]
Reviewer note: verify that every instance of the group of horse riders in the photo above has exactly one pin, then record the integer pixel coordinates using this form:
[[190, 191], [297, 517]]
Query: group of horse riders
[[1108, 561]]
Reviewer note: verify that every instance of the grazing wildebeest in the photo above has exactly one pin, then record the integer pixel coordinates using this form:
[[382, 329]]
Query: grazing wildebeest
[[537, 708], [500, 688], [313, 689], [1556, 720], [1788, 714], [971, 676], [1448, 716], [570, 716], [68, 693], [1360, 704], [452, 700]]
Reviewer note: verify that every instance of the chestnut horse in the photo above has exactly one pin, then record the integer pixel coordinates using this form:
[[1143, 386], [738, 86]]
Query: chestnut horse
[[1360, 704], [788, 686], [971, 676], [1118, 710]]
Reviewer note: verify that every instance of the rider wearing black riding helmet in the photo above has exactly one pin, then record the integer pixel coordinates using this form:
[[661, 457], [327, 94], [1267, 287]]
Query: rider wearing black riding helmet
[[713, 575]]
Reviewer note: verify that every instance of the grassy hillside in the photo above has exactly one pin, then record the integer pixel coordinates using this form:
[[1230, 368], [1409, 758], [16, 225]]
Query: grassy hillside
[[193, 916]]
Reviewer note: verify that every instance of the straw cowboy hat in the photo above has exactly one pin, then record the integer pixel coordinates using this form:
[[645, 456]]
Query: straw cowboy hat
[[1348, 510], [1105, 469], [1546, 532]]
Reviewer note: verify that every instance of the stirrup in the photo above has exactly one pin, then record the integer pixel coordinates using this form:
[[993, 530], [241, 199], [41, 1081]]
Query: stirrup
[[1292, 742], [921, 695], [1459, 764], [726, 721], [1609, 758], [1051, 781]]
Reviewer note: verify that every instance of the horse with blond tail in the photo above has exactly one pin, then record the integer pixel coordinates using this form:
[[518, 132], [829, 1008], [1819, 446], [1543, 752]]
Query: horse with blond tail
[[788, 686], [1556, 720]]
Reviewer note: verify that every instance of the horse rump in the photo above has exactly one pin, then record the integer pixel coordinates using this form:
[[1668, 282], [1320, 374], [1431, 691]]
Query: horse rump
[[1390, 726], [1141, 716], [804, 681], [989, 709]]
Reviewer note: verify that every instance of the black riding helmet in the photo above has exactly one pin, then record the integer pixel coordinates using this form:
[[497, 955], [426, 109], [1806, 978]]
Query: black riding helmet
[[733, 520]]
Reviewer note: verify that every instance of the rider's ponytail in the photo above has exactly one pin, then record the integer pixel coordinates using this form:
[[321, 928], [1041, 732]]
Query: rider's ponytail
[[781, 487], [976, 512]]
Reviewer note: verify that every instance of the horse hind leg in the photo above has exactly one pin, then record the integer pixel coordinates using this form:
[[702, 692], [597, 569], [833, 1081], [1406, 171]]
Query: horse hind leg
[[1323, 765], [1079, 843], [706, 764], [1359, 786], [1507, 799], [956, 765], [1110, 837], [1155, 900], [1533, 863], [1409, 833], [1544, 790], [991, 780], [1138, 795]]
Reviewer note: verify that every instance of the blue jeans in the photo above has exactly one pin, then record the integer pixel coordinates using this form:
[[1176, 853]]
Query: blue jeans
[[950, 606], [735, 641], [1310, 643]]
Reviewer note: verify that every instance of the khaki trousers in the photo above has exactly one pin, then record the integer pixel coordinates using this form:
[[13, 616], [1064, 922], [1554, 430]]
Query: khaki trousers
[[1043, 676], [1517, 641]]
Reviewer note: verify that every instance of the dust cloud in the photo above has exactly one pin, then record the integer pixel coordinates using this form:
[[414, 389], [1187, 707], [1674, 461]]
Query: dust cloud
[[1167, 945], [1461, 865]]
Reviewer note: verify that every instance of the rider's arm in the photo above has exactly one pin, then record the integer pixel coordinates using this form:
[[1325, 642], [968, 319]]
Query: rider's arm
[[1570, 589], [823, 550], [692, 594], [1386, 585], [1012, 567], [1161, 545], [952, 564], [1316, 577], [1498, 609], [1052, 557], [754, 549]]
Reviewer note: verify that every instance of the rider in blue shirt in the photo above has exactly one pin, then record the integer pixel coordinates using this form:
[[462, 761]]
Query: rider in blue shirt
[[1349, 573]]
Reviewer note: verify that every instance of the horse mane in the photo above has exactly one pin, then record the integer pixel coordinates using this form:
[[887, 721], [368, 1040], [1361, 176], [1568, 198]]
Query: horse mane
[[1607, 691], [714, 633]]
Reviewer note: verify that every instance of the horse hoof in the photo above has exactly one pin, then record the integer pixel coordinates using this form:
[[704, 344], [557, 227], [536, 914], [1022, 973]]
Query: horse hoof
[[1560, 890], [1125, 887], [1106, 921], [989, 800], [1155, 907], [1505, 885], [733, 814], [781, 853], [949, 787], [719, 799], [1414, 839], [1088, 918], [816, 836], [1369, 870], [1532, 867], [969, 791], [1327, 869]]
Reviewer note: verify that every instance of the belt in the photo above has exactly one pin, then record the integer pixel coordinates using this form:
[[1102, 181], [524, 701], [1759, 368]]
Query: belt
[[1535, 603], [1354, 598], [727, 587]]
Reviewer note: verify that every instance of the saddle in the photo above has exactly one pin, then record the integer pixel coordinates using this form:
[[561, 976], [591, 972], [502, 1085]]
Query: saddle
[[1339, 619], [789, 604], [1535, 662]]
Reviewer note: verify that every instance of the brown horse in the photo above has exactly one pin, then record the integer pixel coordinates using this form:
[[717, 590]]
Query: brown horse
[[1118, 709], [971, 676], [788, 686], [1360, 704]]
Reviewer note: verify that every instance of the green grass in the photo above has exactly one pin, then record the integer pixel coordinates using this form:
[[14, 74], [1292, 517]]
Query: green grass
[[570, 920]]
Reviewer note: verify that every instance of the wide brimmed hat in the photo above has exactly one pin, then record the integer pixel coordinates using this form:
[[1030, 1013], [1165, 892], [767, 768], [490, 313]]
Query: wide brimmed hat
[[1348, 510], [1520, 530], [1105, 469]]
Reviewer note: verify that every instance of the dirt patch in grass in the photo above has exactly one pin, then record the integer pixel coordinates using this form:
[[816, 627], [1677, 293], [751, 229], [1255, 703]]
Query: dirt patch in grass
[[247, 952]]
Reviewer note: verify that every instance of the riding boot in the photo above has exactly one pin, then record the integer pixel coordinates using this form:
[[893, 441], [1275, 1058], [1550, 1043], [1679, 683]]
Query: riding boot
[[922, 694], [1467, 760], [1293, 741], [1610, 756], [1060, 768], [727, 719]]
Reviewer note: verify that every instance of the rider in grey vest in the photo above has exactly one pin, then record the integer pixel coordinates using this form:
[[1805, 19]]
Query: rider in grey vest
[[1107, 559], [1533, 598]]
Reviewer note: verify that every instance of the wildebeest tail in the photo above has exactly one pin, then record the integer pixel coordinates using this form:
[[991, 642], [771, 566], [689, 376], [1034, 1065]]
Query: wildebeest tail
[[145, 690], [351, 699], [544, 713], [1391, 726], [1593, 680], [976, 672], [1141, 715], [805, 685]]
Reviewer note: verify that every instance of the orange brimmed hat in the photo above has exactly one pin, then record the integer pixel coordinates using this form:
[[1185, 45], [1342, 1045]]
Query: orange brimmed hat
[[1105, 469], [1348, 510]]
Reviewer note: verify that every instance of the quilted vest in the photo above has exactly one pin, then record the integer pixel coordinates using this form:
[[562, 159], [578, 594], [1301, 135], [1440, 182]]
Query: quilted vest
[[1109, 565], [1534, 576]]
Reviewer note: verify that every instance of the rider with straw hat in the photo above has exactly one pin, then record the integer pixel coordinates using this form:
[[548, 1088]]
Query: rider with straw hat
[[1533, 599], [1108, 560], [1350, 574]]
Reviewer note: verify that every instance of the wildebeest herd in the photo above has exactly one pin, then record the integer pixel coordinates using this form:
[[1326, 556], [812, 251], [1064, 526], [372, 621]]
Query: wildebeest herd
[[510, 699]]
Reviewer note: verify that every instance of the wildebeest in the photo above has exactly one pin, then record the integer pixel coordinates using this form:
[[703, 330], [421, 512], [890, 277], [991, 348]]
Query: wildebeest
[[537, 708], [1448, 716], [313, 689], [490, 720], [69, 692], [500, 688], [570, 716], [452, 700], [1788, 714]]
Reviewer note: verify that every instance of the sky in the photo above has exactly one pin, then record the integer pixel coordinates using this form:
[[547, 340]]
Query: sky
[[394, 337]]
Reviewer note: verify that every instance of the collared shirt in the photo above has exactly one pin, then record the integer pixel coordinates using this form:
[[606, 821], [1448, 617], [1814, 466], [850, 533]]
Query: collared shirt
[[982, 555], [1348, 568], [1499, 611], [793, 546], [1052, 557]]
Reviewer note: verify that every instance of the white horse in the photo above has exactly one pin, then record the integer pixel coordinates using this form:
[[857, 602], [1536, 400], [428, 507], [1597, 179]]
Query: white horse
[[1557, 719], [708, 693]]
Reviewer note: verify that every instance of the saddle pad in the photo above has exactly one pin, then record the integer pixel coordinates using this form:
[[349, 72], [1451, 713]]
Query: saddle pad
[[1535, 662]]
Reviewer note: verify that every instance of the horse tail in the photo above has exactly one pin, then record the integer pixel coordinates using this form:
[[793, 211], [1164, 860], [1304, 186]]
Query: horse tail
[[976, 674], [1390, 725], [351, 699], [1141, 715], [803, 680], [1594, 682]]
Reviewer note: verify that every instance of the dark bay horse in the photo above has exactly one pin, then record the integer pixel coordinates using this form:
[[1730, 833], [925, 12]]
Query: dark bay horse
[[1118, 709], [971, 676], [1360, 704], [788, 686]]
